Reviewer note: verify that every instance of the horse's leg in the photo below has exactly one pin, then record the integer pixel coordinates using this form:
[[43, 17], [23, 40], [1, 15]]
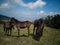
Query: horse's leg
[[33, 30], [4, 30], [10, 31], [13, 27], [28, 31], [18, 31], [41, 31], [42, 27]]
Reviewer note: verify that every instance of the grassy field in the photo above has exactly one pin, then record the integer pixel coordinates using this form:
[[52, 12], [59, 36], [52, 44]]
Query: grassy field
[[50, 37]]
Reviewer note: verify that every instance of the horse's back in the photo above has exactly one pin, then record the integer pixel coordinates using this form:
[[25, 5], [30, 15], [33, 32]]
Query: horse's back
[[23, 24]]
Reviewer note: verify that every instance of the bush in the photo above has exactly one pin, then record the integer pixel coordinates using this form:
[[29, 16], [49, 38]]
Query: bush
[[53, 21]]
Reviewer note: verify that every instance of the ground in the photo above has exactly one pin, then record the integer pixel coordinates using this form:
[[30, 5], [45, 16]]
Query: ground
[[50, 36]]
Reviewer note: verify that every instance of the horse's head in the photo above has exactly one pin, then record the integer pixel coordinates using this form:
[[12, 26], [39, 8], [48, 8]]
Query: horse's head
[[40, 20], [13, 20]]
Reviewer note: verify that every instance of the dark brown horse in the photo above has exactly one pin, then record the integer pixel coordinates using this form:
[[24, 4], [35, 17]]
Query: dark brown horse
[[38, 26], [22, 24], [8, 25]]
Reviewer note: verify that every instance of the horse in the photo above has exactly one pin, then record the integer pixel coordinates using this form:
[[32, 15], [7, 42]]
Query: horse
[[38, 27], [8, 26], [22, 24]]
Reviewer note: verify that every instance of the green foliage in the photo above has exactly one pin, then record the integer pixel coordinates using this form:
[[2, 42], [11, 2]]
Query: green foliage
[[53, 21]]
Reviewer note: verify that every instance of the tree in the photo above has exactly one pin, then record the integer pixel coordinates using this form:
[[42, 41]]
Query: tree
[[56, 21], [53, 21]]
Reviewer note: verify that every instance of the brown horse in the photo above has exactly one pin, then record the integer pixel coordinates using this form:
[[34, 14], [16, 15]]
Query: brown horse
[[38, 26], [8, 25], [22, 24]]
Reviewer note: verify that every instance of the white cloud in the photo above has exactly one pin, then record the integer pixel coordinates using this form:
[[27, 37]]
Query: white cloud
[[41, 12], [4, 5], [31, 5], [51, 13], [7, 4]]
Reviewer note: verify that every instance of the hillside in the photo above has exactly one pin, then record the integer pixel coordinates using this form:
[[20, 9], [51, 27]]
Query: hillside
[[2, 17]]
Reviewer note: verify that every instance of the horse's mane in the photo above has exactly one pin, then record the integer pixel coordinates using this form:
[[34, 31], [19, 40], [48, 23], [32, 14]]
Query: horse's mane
[[13, 19], [17, 21]]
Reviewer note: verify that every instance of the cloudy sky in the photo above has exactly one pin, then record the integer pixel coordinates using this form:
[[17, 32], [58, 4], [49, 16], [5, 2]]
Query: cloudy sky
[[29, 9]]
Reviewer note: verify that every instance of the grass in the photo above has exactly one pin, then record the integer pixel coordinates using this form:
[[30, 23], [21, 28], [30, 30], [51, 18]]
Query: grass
[[50, 37]]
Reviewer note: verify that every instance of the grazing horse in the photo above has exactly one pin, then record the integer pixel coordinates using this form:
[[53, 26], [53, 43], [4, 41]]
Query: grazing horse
[[8, 25], [38, 26], [22, 24]]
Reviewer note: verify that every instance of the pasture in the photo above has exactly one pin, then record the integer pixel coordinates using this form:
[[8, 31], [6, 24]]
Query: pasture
[[50, 37]]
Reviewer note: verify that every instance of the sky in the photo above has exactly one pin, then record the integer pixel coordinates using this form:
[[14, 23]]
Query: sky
[[29, 9]]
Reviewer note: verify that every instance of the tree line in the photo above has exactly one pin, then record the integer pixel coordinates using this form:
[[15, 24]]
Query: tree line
[[53, 21]]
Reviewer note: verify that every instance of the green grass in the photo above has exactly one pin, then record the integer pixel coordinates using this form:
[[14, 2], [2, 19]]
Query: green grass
[[50, 37]]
